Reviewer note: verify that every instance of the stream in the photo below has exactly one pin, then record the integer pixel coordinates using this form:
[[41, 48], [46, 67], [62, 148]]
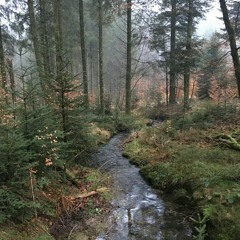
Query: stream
[[139, 213]]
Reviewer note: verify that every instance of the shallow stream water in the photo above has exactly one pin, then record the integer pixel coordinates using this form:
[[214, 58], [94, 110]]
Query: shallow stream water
[[139, 213]]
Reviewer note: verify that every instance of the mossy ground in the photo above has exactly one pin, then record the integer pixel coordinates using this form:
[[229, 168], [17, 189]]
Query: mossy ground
[[188, 163]]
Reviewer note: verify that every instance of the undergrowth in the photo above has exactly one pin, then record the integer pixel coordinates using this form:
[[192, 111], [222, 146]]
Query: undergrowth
[[57, 202], [182, 157], [29, 212]]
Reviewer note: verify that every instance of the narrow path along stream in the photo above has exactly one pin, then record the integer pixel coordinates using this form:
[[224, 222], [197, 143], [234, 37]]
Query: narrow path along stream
[[138, 211]]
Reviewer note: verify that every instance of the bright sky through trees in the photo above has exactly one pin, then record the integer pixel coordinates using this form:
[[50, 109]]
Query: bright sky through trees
[[211, 23], [205, 27]]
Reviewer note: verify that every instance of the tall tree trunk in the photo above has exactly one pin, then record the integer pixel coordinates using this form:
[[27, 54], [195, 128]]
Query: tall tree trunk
[[58, 37], [172, 96], [36, 43], [232, 40], [91, 73], [45, 39], [84, 57], [167, 83], [2, 62], [188, 55], [100, 49], [12, 80], [59, 64], [129, 58]]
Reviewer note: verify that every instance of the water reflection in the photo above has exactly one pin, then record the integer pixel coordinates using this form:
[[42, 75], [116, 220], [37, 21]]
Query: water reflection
[[139, 214]]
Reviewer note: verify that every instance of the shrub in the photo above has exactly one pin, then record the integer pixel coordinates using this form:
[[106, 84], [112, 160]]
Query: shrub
[[204, 117], [16, 162], [198, 119]]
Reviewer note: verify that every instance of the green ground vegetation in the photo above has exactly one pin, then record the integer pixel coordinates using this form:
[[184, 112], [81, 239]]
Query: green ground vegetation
[[45, 174], [194, 157]]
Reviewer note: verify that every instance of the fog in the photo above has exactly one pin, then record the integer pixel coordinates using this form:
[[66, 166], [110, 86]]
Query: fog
[[212, 22]]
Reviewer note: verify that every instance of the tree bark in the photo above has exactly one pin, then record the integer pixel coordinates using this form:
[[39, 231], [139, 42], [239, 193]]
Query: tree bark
[[100, 49], [129, 58], [12, 81], [84, 57], [172, 95], [45, 40], [58, 37], [167, 83], [59, 64], [232, 40], [188, 54], [2, 62], [36, 43]]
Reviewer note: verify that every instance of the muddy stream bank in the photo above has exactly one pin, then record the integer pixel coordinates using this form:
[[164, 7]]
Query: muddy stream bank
[[139, 212]]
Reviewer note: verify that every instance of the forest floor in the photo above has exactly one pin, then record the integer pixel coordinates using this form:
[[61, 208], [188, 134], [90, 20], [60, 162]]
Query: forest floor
[[76, 210], [70, 208], [195, 159], [75, 206]]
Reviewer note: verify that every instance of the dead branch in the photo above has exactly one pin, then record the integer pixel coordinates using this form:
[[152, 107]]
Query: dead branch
[[228, 140], [89, 194]]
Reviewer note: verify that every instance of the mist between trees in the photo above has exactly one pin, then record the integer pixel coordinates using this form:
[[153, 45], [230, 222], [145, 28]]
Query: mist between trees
[[61, 59]]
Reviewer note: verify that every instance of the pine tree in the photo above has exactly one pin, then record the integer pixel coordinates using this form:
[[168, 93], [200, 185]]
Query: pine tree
[[212, 64], [173, 35], [232, 41], [129, 57], [84, 58]]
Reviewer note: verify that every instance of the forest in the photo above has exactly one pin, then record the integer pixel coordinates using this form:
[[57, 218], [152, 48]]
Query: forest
[[75, 73]]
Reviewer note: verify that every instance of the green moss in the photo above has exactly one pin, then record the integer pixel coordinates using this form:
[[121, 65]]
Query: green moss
[[136, 153], [194, 171], [128, 122]]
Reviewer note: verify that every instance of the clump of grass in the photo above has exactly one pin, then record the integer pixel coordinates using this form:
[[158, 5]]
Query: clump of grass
[[138, 154], [127, 123], [147, 146], [30, 231]]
